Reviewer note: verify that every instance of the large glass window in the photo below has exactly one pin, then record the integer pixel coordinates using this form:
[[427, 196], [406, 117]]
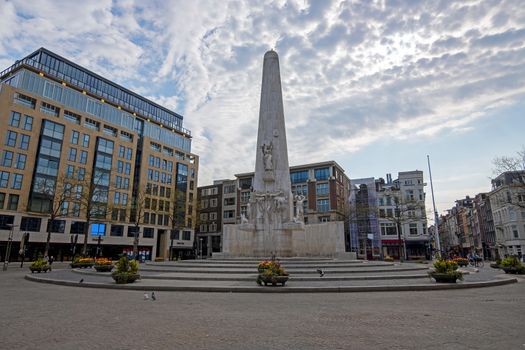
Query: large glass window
[[105, 146], [53, 130], [103, 162], [50, 148], [322, 173], [322, 205], [322, 189], [98, 229], [57, 226], [47, 167], [30, 224], [299, 176], [117, 230], [2, 200]]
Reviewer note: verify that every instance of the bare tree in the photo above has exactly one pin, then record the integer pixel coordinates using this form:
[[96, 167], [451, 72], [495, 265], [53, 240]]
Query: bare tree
[[56, 194], [137, 211], [513, 171]]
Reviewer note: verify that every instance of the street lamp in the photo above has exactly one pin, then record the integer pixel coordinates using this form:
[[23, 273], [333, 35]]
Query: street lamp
[[9, 243], [200, 246]]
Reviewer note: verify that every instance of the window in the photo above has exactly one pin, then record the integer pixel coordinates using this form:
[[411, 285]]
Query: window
[[72, 154], [5, 221], [103, 162], [245, 197], [72, 117], [322, 205], [322, 189], [53, 130], [14, 119], [4, 179], [186, 235], [148, 232], [213, 202], [30, 224], [17, 181], [7, 159], [388, 229], [117, 230], [322, 173], [10, 139], [2, 200], [74, 137], [98, 229], [110, 130], [24, 141], [299, 176], [56, 226], [413, 229], [81, 173], [83, 157], [25, 100], [77, 227], [75, 210], [132, 230], [228, 214], [229, 201], [21, 161], [121, 151], [213, 216], [105, 146], [203, 228], [50, 148], [85, 140], [515, 232], [50, 109], [92, 124]]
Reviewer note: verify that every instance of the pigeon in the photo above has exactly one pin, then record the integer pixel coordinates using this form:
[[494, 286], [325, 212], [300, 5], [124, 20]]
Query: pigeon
[[320, 272], [81, 280], [153, 297], [146, 297]]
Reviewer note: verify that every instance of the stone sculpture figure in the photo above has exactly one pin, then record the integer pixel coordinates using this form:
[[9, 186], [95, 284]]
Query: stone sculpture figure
[[300, 209], [267, 156]]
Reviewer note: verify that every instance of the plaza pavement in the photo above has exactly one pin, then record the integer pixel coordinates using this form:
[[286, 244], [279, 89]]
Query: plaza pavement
[[43, 316]]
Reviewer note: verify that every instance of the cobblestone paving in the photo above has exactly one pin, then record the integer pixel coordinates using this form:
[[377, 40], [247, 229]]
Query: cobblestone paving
[[42, 316]]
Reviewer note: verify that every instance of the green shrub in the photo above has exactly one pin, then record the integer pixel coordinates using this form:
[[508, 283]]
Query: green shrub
[[510, 261], [124, 265], [38, 263]]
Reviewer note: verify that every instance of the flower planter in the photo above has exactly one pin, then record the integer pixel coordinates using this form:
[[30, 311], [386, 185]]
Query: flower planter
[[444, 277], [123, 278], [103, 268], [40, 269], [273, 280], [81, 265], [514, 270]]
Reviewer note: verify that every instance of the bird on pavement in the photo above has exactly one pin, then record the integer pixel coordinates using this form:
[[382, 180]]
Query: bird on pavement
[[320, 272], [81, 280], [146, 297], [153, 297]]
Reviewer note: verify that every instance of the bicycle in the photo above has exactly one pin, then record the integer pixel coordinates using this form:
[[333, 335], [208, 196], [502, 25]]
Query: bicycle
[[476, 262]]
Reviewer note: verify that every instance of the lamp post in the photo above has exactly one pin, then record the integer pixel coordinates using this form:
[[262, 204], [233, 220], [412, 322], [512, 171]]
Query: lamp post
[[9, 244], [200, 247]]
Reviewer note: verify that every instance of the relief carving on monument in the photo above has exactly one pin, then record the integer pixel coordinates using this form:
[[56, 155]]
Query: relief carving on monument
[[267, 150]]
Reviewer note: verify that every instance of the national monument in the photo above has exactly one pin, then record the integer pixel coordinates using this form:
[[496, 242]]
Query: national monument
[[271, 226]]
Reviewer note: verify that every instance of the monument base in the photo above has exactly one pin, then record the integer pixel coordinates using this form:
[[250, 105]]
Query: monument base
[[314, 240]]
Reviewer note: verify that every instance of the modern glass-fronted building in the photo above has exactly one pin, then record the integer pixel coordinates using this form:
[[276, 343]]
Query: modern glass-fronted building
[[94, 156]]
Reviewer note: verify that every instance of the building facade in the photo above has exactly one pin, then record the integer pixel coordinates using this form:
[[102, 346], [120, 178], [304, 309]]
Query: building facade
[[100, 160], [209, 225], [507, 200], [402, 216]]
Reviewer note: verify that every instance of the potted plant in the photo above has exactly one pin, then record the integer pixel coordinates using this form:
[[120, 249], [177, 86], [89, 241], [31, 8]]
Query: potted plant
[[271, 272], [103, 265], [127, 271], [512, 265], [79, 262], [446, 271], [39, 265]]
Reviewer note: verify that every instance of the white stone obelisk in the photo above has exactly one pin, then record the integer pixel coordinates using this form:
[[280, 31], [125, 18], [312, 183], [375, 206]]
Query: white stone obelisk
[[271, 199]]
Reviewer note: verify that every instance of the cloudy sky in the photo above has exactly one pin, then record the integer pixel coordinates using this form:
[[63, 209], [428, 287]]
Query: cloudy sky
[[374, 85]]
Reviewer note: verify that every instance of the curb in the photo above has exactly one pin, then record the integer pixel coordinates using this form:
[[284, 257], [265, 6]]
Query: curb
[[258, 289]]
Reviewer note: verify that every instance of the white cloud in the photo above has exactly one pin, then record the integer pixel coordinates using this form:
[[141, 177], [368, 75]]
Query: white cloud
[[352, 72]]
